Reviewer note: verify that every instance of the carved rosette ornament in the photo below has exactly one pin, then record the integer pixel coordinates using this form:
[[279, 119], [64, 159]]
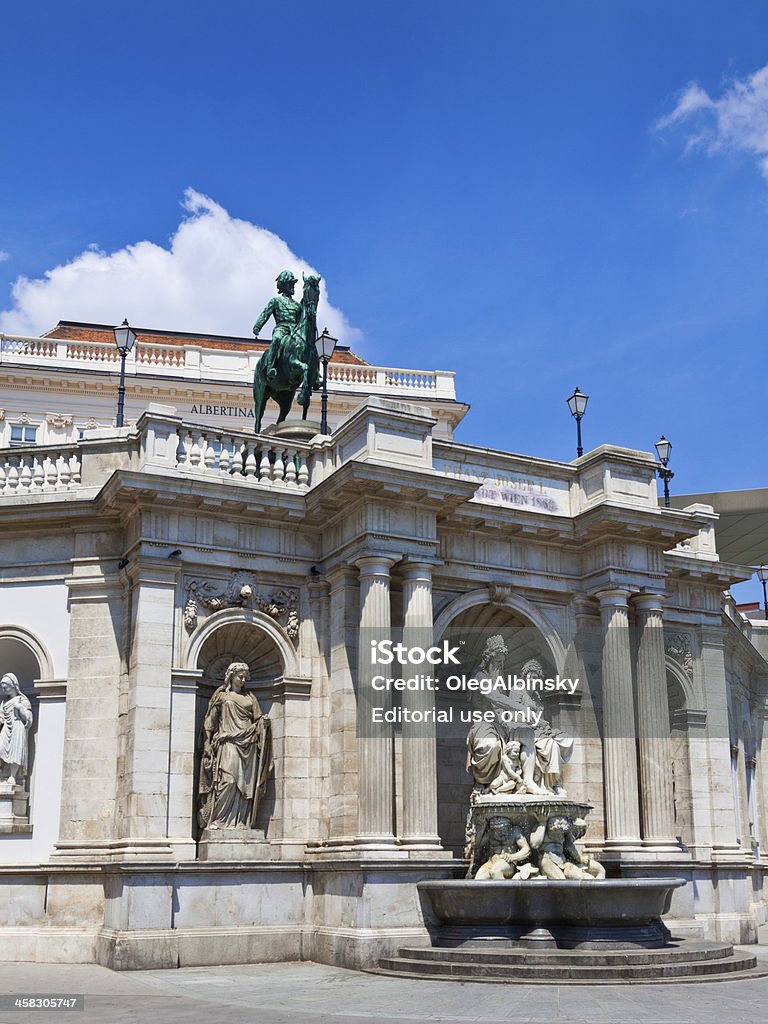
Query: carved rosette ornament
[[241, 592]]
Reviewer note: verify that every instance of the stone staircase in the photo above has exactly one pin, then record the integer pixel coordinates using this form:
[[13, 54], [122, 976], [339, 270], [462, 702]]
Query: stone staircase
[[684, 960]]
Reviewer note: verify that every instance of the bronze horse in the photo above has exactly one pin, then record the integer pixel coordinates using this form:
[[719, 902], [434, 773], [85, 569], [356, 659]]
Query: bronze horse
[[296, 362]]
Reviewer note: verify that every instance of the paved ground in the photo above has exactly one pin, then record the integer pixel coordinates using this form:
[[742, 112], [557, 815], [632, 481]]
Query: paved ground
[[314, 994]]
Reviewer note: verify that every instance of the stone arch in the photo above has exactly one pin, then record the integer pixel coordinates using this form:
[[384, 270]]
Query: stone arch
[[32, 645], [515, 603], [474, 616], [228, 619], [683, 681]]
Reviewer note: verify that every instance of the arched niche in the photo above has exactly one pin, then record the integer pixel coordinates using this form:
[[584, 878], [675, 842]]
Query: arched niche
[[26, 656], [250, 636], [473, 618]]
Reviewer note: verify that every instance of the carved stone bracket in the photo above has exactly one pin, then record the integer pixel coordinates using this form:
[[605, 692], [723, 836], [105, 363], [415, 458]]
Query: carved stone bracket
[[678, 647], [499, 593], [241, 592]]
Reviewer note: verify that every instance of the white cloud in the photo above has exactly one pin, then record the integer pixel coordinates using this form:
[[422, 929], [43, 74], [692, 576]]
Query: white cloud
[[736, 121], [4, 256], [216, 276]]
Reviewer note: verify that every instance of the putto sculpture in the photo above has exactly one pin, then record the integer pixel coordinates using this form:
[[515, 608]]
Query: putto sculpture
[[15, 723], [236, 755], [291, 362]]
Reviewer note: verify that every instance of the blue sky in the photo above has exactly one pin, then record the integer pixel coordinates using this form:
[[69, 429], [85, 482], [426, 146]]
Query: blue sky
[[484, 187]]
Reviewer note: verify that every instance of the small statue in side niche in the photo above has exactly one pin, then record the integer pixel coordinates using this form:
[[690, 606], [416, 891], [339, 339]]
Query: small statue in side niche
[[510, 853], [236, 759], [15, 723]]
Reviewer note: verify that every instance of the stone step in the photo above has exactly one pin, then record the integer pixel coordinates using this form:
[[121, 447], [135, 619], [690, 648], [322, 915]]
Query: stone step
[[690, 950], [470, 970]]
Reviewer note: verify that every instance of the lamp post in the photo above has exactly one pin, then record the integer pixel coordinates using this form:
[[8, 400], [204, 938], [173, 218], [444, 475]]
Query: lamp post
[[663, 450], [325, 345], [577, 403], [125, 339], [762, 575]]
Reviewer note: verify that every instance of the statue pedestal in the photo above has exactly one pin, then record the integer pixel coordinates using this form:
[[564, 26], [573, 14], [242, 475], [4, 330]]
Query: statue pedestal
[[233, 844], [14, 801], [293, 429]]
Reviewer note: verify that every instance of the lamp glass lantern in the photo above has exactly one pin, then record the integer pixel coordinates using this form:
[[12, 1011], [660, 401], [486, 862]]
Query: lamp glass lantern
[[577, 403], [663, 450], [125, 338], [762, 573]]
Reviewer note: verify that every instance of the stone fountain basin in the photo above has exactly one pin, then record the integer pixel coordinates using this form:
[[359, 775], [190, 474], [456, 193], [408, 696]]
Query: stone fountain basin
[[609, 902]]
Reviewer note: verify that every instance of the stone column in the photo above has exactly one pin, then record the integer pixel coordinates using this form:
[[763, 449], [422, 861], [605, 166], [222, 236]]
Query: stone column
[[375, 744], [622, 816], [90, 768], [653, 726], [146, 717], [344, 606], [419, 746]]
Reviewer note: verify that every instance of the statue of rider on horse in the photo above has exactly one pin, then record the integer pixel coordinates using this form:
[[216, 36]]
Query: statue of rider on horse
[[291, 362]]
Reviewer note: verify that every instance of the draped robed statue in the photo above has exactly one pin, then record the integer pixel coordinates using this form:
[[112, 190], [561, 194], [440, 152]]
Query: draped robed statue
[[291, 363], [236, 758]]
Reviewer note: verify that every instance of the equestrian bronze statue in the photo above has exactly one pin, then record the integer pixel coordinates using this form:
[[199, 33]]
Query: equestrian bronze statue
[[291, 363]]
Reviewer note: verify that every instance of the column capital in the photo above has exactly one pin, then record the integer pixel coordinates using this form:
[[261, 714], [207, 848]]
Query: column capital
[[613, 597], [375, 565], [649, 602], [417, 570]]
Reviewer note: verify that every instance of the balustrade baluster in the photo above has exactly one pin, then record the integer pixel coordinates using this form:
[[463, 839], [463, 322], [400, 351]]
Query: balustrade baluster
[[290, 467], [237, 460], [3, 477], [265, 466], [224, 454], [13, 473], [278, 470], [25, 476], [210, 451], [302, 477], [38, 476], [74, 468], [194, 451], [250, 462], [64, 474]]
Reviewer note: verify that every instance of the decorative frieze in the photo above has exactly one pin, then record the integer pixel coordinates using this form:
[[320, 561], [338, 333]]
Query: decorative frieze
[[241, 592]]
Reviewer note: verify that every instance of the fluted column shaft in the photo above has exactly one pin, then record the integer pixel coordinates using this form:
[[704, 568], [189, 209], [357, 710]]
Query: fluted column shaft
[[653, 723], [622, 816], [375, 745], [419, 747]]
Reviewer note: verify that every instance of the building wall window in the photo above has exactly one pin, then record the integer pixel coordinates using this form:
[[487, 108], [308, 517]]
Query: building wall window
[[22, 434]]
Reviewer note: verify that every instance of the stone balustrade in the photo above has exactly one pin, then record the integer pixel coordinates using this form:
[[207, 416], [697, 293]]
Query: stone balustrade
[[196, 362], [39, 469], [258, 460]]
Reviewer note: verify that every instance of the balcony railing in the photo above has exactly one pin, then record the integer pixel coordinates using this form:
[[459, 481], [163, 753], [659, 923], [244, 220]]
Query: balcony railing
[[39, 470], [218, 366]]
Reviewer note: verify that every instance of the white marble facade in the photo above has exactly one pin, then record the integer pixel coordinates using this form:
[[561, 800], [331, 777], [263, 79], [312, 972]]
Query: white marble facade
[[138, 563]]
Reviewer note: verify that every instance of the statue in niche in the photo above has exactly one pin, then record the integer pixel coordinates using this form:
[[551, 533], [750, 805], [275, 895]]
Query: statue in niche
[[542, 749], [15, 723], [236, 755]]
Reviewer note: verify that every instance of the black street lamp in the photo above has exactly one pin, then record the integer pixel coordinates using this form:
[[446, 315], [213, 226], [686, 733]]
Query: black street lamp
[[762, 575], [325, 345], [125, 339], [577, 403], [663, 450]]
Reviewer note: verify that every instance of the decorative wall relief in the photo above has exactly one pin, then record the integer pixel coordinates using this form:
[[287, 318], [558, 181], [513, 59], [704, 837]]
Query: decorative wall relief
[[678, 647], [241, 592]]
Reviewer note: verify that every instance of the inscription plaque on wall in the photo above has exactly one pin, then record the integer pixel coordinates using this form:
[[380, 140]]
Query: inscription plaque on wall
[[502, 487]]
